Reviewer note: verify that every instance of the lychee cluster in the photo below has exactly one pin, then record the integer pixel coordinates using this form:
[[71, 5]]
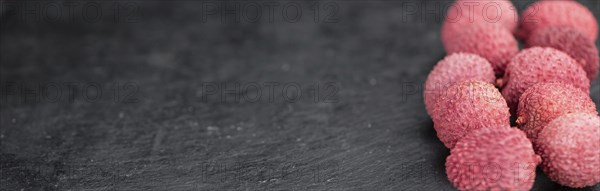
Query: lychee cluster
[[472, 93]]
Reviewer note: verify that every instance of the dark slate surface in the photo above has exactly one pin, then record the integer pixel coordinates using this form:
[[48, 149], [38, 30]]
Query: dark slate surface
[[157, 124]]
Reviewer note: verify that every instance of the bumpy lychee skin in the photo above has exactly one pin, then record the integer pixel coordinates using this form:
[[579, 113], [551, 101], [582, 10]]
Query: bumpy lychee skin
[[558, 13], [495, 158], [464, 13], [570, 149], [466, 106], [536, 65], [570, 41], [544, 102], [455, 68], [494, 43]]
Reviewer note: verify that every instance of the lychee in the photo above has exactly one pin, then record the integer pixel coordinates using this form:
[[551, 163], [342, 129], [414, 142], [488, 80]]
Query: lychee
[[570, 149], [570, 41], [544, 102], [558, 13], [464, 13], [466, 106], [492, 42], [494, 158], [535, 65], [456, 67]]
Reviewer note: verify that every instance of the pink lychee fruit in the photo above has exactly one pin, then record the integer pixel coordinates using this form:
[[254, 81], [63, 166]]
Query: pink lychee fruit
[[466, 106], [570, 41], [454, 68], [492, 42], [544, 102], [494, 158], [535, 65], [570, 149], [558, 13], [464, 13]]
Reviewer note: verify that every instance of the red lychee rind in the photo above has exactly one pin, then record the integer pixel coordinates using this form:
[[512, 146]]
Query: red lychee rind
[[465, 106], [570, 41], [494, 43], [570, 149], [456, 67], [535, 65], [464, 13], [495, 158], [544, 102], [558, 13]]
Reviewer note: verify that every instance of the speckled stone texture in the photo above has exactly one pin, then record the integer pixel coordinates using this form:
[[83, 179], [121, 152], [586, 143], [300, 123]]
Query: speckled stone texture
[[570, 149], [495, 158]]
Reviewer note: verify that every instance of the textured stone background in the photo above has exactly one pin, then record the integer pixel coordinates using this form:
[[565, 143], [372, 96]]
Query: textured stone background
[[155, 126]]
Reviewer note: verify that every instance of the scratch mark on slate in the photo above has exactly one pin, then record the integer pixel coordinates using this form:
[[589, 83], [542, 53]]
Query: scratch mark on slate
[[160, 134]]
